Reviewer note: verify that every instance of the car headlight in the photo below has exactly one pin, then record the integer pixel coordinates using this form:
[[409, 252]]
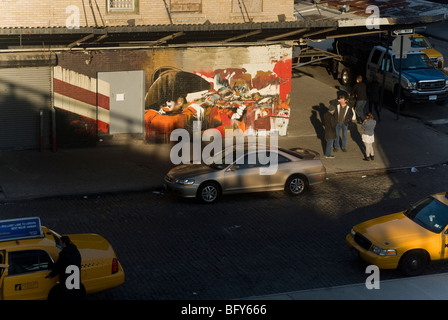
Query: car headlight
[[412, 85], [384, 252], [352, 232], [185, 181]]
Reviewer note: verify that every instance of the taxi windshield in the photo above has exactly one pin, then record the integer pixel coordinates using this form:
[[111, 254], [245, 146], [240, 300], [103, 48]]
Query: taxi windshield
[[430, 213], [420, 42]]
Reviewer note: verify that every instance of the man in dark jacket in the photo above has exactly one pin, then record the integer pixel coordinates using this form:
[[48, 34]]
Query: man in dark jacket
[[69, 256], [343, 115], [329, 122], [360, 94]]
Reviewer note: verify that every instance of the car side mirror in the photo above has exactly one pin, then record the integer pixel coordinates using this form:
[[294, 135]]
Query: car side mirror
[[4, 266]]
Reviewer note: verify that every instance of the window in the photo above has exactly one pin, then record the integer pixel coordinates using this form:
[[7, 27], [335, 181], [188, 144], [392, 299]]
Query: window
[[186, 5], [376, 56], [121, 5], [28, 261], [251, 6]]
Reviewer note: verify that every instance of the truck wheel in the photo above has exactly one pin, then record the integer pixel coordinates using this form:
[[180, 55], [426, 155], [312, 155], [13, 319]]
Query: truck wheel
[[404, 102], [346, 77], [413, 262]]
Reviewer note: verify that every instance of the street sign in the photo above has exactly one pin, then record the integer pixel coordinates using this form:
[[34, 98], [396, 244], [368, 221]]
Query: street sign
[[396, 45], [403, 32]]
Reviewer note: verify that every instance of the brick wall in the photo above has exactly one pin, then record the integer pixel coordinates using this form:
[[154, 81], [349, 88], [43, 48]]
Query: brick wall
[[49, 13]]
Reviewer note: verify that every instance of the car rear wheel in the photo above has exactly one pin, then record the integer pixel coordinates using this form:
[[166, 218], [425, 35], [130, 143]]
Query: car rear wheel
[[209, 192], [413, 262], [296, 185]]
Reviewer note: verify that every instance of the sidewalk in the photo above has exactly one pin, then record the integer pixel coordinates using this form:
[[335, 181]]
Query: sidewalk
[[430, 287], [31, 174]]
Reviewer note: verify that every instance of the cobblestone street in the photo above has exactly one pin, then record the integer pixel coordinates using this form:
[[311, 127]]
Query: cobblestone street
[[246, 245]]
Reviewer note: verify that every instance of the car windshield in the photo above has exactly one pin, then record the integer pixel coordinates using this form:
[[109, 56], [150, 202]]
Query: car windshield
[[413, 61], [430, 213], [420, 42]]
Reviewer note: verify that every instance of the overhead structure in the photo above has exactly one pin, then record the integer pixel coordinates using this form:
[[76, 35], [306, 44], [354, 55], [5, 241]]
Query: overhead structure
[[314, 20]]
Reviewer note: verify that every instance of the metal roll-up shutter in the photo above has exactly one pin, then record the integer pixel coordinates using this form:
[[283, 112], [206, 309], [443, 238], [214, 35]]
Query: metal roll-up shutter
[[24, 94]]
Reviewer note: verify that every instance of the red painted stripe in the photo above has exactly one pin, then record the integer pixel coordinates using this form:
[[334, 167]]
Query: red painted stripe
[[80, 94]]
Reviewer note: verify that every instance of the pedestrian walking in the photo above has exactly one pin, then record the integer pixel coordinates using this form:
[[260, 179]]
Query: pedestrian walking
[[329, 122], [343, 115], [368, 136], [360, 95]]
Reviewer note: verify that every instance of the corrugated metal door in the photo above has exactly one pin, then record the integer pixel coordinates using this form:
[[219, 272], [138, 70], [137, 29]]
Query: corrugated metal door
[[24, 93]]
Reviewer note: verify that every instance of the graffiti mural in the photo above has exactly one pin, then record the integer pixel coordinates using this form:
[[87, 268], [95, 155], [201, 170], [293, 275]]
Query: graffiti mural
[[223, 98], [245, 88]]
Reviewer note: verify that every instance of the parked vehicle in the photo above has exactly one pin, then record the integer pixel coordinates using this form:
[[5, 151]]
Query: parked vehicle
[[366, 55], [28, 252], [420, 81], [420, 42], [407, 240], [294, 171]]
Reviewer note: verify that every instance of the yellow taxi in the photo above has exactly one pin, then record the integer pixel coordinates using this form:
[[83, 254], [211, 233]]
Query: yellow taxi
[[28, 252], [407, 240], [421, 43]]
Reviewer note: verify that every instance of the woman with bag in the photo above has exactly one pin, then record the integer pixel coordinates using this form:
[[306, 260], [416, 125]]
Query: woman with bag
[[368, 137]]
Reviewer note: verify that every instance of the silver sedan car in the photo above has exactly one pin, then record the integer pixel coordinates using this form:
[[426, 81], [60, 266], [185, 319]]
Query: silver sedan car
[[248, 170]]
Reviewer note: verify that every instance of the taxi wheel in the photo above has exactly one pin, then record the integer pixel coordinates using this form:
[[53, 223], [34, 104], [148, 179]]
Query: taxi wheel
[[414, 262], [296, 185], [209, 192]]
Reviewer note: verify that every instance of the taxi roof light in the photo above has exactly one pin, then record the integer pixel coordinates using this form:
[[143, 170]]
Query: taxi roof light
[[20, 228]]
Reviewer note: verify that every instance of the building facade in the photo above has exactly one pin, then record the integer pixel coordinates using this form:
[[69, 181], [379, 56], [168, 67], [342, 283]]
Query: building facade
[[23, 13], [55, 94]]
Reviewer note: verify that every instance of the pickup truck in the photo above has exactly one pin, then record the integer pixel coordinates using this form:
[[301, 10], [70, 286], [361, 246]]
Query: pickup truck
[[421, 81]]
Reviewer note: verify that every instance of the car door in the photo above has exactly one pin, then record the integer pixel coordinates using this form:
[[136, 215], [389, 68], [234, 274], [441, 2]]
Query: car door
[[25, 278], [373, 65], [244, 175], [284, 170], [388, 71]]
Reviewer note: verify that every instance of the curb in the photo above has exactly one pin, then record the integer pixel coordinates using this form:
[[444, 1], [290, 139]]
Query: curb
[[386, 170]]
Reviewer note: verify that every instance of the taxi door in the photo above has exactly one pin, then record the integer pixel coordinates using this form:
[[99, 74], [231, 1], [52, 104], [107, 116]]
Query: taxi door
[[25, 277], [444, 244]]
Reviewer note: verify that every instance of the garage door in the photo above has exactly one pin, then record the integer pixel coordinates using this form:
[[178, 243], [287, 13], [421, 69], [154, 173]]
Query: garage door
[[24, 93]]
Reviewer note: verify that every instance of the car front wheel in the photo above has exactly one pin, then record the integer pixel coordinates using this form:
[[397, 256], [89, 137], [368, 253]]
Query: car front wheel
[[208, 192], [413, 262], [296, 185]]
